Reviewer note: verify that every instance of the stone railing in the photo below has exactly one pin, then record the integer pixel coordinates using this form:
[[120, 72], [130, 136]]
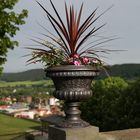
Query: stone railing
[[129, 134]]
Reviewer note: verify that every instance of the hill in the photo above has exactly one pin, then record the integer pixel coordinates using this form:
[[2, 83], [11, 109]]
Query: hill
[[30, 75], [126, 71]]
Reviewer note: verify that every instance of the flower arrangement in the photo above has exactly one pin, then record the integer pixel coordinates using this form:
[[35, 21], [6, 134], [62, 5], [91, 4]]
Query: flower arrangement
[[69, 48], [70, 62]]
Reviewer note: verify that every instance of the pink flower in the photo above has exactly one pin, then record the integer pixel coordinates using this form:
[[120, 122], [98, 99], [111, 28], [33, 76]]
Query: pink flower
[[77, 63], [86, 60]]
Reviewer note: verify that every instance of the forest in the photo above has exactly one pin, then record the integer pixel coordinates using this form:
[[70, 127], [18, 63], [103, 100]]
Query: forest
[[115, 104]]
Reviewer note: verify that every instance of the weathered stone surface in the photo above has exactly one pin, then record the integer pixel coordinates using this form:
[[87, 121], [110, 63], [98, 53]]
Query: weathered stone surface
[[56, 133], [87, 133], [129, 134], [105, 137]]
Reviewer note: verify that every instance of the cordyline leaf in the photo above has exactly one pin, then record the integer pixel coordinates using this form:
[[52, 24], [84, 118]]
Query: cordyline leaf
[[51, 19], [104, 12], [79, 17], [50, 16], [67, 16], [82, 41], [65, 48], [33, 58], [26, 55], [53, 39], [100, 39], [60, 44], [63, 29], [85, 26], [72, 36], [75, 29], [103, 51], [35, 61], [98, 16], [29, 63], [46, 54], [92, 54], [70, 32], [46, 29], [41, 43], [101, 43], [97, 45], [42, 50], [38, 38], [73, 24], [86, 22], [90, 33], [95, 19]]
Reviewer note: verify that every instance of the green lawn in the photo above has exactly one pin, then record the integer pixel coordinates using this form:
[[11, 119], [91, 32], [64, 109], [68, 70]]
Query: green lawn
[[10, 127], [25, 83]]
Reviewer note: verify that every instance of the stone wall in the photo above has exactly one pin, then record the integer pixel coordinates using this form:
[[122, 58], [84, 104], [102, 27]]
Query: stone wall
[[129, 134]]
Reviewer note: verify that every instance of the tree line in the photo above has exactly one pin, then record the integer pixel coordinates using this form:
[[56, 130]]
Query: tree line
[[125, 71], [115, 104]]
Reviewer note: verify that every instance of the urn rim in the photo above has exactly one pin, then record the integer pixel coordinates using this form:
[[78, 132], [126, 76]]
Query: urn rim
[[73, 68]]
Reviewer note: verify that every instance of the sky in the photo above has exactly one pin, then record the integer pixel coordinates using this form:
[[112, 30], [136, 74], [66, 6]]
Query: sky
[[122, 20]]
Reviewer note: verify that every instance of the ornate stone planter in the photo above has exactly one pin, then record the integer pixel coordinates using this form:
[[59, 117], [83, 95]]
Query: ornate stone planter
[[72, 85]]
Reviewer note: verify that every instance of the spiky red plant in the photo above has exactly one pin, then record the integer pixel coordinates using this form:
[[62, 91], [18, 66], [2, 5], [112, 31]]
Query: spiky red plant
[[73, 35]]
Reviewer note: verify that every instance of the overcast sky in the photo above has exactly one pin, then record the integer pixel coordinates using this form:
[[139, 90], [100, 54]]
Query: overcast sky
[[122, 20]]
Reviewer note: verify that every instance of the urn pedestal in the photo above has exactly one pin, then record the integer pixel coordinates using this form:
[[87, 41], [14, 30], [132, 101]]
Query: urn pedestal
[[72, 84]]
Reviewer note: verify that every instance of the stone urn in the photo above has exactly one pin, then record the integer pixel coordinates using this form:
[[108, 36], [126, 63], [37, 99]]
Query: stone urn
[[73, 85]]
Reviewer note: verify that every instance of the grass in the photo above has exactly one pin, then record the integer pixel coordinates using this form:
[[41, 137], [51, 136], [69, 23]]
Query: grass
[[26, 83], [10, 127]]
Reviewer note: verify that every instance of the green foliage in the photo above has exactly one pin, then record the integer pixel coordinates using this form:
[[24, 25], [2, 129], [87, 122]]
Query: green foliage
[[126, 71], [2, 103], [101, 109], [26, 84], [35, 89], [115, 105], [129, 107], [11, 127], [9, 25], [54, 58]]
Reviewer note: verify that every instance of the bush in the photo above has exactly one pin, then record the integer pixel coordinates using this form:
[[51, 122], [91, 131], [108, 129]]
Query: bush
[[129, 107], [3, 103], [101, 109]]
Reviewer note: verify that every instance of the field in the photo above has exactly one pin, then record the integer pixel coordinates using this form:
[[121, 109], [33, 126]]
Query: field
[[26, 83], [10, 127]]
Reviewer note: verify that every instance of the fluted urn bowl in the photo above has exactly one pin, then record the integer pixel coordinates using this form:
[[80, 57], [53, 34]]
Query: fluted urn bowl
[[73, 85]]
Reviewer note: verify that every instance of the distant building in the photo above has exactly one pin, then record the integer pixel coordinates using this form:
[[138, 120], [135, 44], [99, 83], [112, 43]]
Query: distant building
[[53, 101], [29, 99], [17, 107], [7, 100], [26, 114], [3, 107]]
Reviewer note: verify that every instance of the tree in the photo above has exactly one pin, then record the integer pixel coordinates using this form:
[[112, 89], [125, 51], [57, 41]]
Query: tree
[[101, 109], [129, 107], [9, 25]]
